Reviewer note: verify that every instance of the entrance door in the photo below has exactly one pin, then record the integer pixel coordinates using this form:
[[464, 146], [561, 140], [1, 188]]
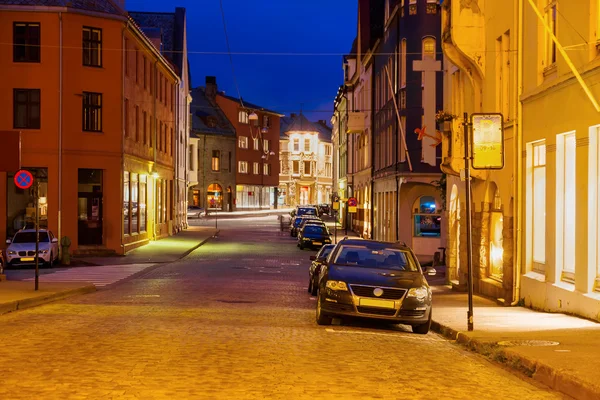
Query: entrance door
[[89, 232]]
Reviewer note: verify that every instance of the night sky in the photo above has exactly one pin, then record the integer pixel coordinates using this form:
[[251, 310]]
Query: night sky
[[323, 28]]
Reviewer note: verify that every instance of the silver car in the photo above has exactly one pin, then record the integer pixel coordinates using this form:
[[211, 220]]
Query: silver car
[[21, 249]]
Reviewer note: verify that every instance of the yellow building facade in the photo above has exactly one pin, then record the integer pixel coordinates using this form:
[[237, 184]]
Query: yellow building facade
[[536, 222]]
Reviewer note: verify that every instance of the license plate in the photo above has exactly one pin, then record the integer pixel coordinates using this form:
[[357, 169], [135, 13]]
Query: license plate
[[27, 258], [317, 243], [376, 303]]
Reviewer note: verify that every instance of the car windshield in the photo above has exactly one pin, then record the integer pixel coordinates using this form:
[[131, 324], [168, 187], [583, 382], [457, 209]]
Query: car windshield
[[325, 250], [315, 230], [29, 237], [306, 211], [297, 221], [383, 258]]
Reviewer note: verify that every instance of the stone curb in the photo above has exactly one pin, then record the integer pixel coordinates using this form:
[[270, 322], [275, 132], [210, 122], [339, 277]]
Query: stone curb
[[561, 381], [43, 299]]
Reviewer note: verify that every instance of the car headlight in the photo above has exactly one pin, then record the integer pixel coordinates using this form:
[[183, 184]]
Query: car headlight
[[11, 252], [420, 293], [337, 285]]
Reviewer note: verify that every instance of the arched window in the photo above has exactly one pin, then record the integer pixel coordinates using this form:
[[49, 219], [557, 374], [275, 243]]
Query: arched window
[[427, 218], [496, 236], [214, 195], [429, 47]]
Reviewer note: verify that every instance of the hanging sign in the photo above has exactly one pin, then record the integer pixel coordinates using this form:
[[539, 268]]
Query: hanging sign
[[352, 203], [23, 179], [487, 141]]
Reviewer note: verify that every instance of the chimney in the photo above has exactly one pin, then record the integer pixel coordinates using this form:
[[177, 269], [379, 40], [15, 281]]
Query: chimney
[[323, 122], [211, 87], [120, 3], [293, 115]]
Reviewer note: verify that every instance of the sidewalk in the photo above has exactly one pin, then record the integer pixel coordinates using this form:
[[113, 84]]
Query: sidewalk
[[17, 295], [558, 350], [165, 250]]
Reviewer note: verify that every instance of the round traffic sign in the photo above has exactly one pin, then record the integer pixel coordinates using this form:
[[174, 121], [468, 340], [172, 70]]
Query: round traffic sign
[[23, 179], [352, 202]]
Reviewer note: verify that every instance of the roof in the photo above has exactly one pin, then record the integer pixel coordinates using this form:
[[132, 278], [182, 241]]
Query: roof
[[375, 244], [207, 117], [170, 27], [299, 123], [103, 6], [250, 105]]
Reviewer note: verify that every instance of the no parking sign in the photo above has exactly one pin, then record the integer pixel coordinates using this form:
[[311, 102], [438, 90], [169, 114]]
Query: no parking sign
[[23, 179]]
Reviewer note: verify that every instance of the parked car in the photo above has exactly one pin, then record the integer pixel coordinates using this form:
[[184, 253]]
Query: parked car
[[324, 209], [377, 280], [297, 221], [310, 219], [304, 210], [315, 267], [313, 236], [21, 248], [195, 212]]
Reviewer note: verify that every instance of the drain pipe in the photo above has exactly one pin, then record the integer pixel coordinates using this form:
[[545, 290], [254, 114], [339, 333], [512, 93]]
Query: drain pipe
[[60, 109], [123, 126], [519, 156]]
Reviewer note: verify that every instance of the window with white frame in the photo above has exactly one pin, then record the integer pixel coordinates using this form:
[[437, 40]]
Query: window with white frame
[[327, 150], [296, 144], [403, 64], [243, 167], [307, 168], [537, 198], [328, 170], [267, 169], [307, 145], [429, 48], [551, 19], [565, 204], [243, 117], [266, 121], [296, 167], [255, 143], [243, 142], [256, 168], [594, 201], [266, 146]]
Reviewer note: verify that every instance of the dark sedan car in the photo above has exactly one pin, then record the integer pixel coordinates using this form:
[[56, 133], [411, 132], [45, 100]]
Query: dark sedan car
[[313, 236], [377, 280], [296, 223], [324, 209], [315, 267]]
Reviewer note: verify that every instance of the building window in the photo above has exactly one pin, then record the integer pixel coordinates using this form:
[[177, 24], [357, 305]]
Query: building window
[[427, 218], [92, 112], [412, 7], [328, 170], [92, 47], [496, 238], [255, 168], [550, 17], [565, 205], [137, 66], [503, 75], [137, 123], [142, 202], [243, 142], [432, 6], [145, 127], [403, 65], [145, 75], [26, 42], [126, 116], [296, 167], [296, 144], [126, 205], [266, 121], [255, 143], [307, 167], [229, 158], [243, 167], [216, 160], [307, 145], [267, 169], [243, 117], [327, 150], [429, 48], [26, 108], [266, 145], [134, 200], [536, 188]]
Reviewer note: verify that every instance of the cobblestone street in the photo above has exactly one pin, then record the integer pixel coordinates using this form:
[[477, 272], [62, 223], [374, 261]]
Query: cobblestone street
[[233, 320]]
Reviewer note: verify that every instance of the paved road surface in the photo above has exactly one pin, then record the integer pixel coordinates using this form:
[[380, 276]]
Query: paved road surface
[[231, 321]]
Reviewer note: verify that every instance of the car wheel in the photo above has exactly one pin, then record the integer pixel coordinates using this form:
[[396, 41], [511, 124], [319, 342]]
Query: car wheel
[[422, 329], [301, 245], [50, 261], [313, 288], [322, 319], [310, 285]]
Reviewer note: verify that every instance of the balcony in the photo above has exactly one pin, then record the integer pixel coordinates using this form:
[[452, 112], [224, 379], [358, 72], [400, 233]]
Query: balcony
[[356, 122]]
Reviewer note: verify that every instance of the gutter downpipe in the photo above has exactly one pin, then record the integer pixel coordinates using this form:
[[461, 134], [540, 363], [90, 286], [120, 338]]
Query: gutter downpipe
[[176, 146], [155, 147], [398, 179], [518, 224], [371, 143], [123, 124], [60, 108]]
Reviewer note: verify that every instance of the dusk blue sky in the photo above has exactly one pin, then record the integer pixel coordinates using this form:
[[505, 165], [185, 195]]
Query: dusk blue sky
[[279, 82]]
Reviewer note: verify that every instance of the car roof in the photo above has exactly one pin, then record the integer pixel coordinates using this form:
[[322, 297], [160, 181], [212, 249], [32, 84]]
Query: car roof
[[375, 244], [32, 231]]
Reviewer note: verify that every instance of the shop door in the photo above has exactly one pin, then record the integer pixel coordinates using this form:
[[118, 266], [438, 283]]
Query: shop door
[[90, 219]]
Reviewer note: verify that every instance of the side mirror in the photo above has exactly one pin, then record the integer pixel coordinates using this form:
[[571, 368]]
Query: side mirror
[[8, 241], [313, 258], [55, 240], [430, 271]]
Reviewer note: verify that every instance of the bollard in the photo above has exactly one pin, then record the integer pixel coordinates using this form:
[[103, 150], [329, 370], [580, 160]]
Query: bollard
[[65, 243]]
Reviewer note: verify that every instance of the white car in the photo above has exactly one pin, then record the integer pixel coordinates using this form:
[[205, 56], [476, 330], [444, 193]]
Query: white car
[[21, 249]]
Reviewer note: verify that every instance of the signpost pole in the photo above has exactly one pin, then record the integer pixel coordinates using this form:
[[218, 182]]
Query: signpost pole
[[469, 227], [37, 232]]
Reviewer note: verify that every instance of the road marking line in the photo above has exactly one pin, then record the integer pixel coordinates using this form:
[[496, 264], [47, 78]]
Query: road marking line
[[330, 330], [144, 295]]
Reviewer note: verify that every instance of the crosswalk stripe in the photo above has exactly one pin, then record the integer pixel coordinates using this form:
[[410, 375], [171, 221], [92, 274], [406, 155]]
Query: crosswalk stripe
[[98, 276]]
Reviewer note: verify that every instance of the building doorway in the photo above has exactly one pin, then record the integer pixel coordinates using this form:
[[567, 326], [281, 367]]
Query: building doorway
[[214, 195], [89, 232], [453, 254], [304, 195], [229, 199]]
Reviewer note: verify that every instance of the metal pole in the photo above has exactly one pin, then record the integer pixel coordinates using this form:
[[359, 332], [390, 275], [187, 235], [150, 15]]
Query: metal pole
[[468, 209], [37, 233], [335, 217]]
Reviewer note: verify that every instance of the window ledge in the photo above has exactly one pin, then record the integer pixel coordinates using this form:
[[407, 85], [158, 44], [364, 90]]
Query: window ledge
[[537, 276], [549, 71], [565, 285]]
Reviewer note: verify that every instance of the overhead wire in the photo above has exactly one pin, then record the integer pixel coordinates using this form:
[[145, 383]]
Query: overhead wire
[[229, 51]]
